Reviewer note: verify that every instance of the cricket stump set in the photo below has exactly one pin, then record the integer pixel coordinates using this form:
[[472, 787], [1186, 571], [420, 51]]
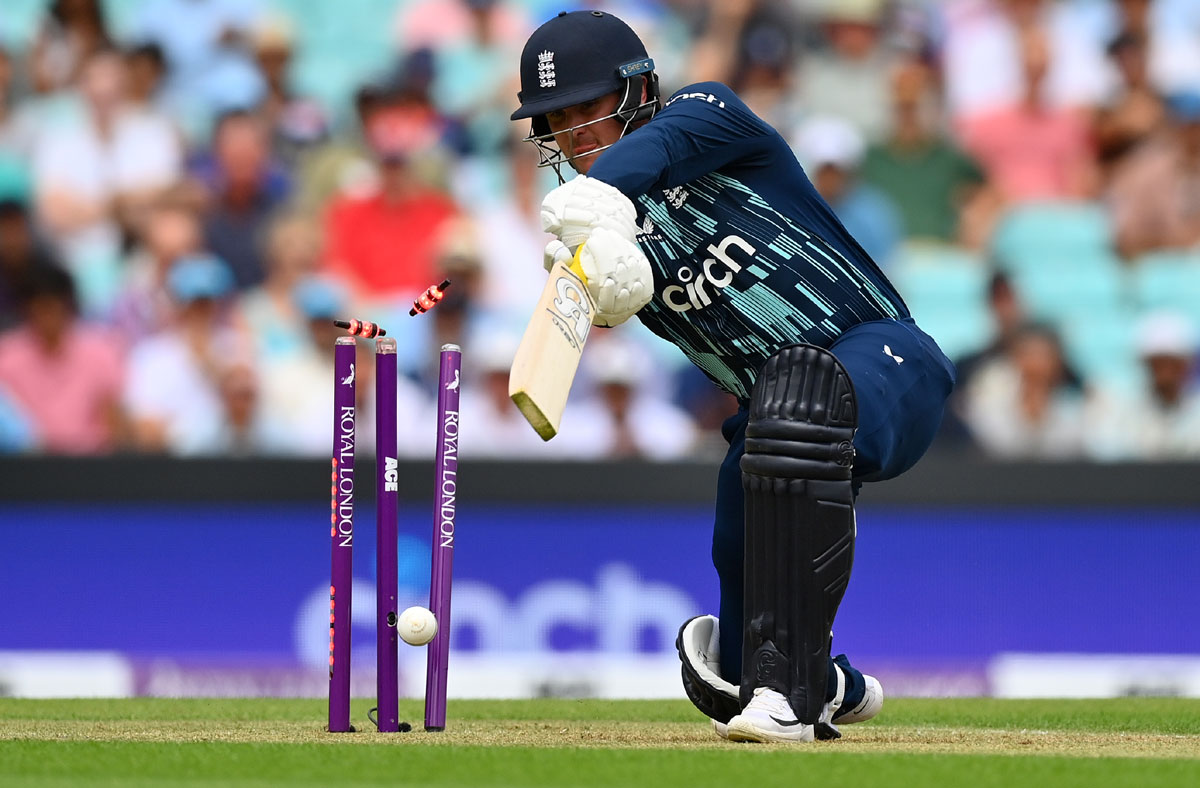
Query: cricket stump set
[[386, 524]]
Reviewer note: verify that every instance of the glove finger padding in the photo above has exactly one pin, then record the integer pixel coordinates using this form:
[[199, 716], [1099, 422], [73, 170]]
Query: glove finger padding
[[556, 250], [582, 204], [619, 276]]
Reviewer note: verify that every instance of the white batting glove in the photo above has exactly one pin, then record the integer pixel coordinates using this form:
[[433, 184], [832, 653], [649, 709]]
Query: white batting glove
[[618, 275], [582, 204]]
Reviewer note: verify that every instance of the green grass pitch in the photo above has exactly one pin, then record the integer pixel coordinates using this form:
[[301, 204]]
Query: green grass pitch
[[254, 742]]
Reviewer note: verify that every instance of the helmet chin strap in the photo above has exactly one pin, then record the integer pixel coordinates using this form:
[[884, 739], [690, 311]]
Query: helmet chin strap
[[550, 155]]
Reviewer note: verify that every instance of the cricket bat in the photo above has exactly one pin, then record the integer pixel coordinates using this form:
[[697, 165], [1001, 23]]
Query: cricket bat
[[548, 356]]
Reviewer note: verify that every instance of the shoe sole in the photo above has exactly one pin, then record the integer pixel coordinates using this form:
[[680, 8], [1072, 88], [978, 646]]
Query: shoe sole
[[743, 731]]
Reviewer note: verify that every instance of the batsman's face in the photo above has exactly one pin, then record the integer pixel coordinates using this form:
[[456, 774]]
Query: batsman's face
[[576, 139]]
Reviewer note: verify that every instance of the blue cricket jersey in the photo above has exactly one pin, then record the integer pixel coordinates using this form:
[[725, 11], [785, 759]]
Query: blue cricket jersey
[[747, 257]]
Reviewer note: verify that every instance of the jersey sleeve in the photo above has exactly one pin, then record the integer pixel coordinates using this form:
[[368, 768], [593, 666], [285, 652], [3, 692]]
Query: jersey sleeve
[[700, 129]]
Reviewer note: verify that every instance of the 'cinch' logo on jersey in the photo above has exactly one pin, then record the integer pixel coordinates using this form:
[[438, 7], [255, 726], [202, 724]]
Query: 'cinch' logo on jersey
[[716, 274]]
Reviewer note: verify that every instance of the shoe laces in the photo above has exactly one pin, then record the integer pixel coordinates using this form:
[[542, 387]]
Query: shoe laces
[[772, 702]]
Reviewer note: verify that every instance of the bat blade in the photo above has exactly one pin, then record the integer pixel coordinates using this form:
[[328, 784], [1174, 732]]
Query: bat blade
[[548, 357]]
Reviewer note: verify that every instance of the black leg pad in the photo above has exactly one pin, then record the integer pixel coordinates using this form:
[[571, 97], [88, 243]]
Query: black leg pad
[[799, 523]]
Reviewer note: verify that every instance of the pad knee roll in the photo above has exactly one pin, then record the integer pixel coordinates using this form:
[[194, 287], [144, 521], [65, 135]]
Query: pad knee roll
[[802, 417], [796, 473]]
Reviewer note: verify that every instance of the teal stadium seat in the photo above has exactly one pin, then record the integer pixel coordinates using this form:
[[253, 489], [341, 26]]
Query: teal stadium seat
[[120, 16], [1032, 233], [1100, 347], [1168, 280], [1060, 288], [19, 20], [340, 47], [945, 288], [15, 179]]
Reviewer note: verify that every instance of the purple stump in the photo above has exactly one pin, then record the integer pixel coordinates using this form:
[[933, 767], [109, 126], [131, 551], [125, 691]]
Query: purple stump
[[444, 506], [341, 534], [387, 477]]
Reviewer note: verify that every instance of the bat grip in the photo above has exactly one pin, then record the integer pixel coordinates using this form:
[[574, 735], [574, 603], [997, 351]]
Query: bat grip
[[576, 266]]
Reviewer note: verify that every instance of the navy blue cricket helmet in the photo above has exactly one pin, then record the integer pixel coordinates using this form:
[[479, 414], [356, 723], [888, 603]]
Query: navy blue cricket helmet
[[580, 56]]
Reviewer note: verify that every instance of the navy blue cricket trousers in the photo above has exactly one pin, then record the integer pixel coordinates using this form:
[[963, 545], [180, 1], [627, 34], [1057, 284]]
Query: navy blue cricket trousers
[[901, 393]]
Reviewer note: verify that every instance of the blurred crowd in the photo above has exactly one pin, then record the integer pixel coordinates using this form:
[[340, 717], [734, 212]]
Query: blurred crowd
[[192, 190]]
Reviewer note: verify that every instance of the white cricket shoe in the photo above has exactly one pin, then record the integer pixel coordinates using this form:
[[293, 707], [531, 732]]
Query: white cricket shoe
[[834, 712], [871, 703], [768, 718]]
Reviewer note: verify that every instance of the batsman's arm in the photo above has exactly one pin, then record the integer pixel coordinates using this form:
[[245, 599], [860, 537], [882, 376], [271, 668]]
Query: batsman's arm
[[702, 128]]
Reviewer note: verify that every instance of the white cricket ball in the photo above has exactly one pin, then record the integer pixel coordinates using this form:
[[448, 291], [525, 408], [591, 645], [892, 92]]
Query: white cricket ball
[[417, 626]]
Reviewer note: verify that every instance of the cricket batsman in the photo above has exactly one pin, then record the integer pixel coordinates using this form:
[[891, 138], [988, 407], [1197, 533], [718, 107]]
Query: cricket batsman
[[694, 214]]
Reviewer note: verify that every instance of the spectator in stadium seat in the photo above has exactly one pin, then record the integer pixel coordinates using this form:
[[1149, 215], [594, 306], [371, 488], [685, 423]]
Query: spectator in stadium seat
[[147, 68], [71, 32], [8, 103], [1021, 406], [385, 239], [241, 187], [1008, 325], [1153, 195], [64, 374], [933, 184], [296, 394], [268, 313], [708, 407], [1171, 30], [1030, 149], [856, 63], [205, 44], [295, 386], [18, 130], [342, 164], [1135, 111], [981, 43], [831, 150], [169, 232], [1160, 420], [21, 253], [629, 419], [241, 432], [173, 391], [93, 177], [461, 310], [1008, 320], [440, 24], [7, 87], [472, 43], [501, 429], [296, 123], [749, 45]]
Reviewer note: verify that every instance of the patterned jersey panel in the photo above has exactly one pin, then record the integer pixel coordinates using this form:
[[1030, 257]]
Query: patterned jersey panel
[[747, 257], [736, 280]]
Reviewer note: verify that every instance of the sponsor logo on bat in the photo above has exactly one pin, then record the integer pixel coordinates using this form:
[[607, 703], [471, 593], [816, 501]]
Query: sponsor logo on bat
[[574, 313]]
